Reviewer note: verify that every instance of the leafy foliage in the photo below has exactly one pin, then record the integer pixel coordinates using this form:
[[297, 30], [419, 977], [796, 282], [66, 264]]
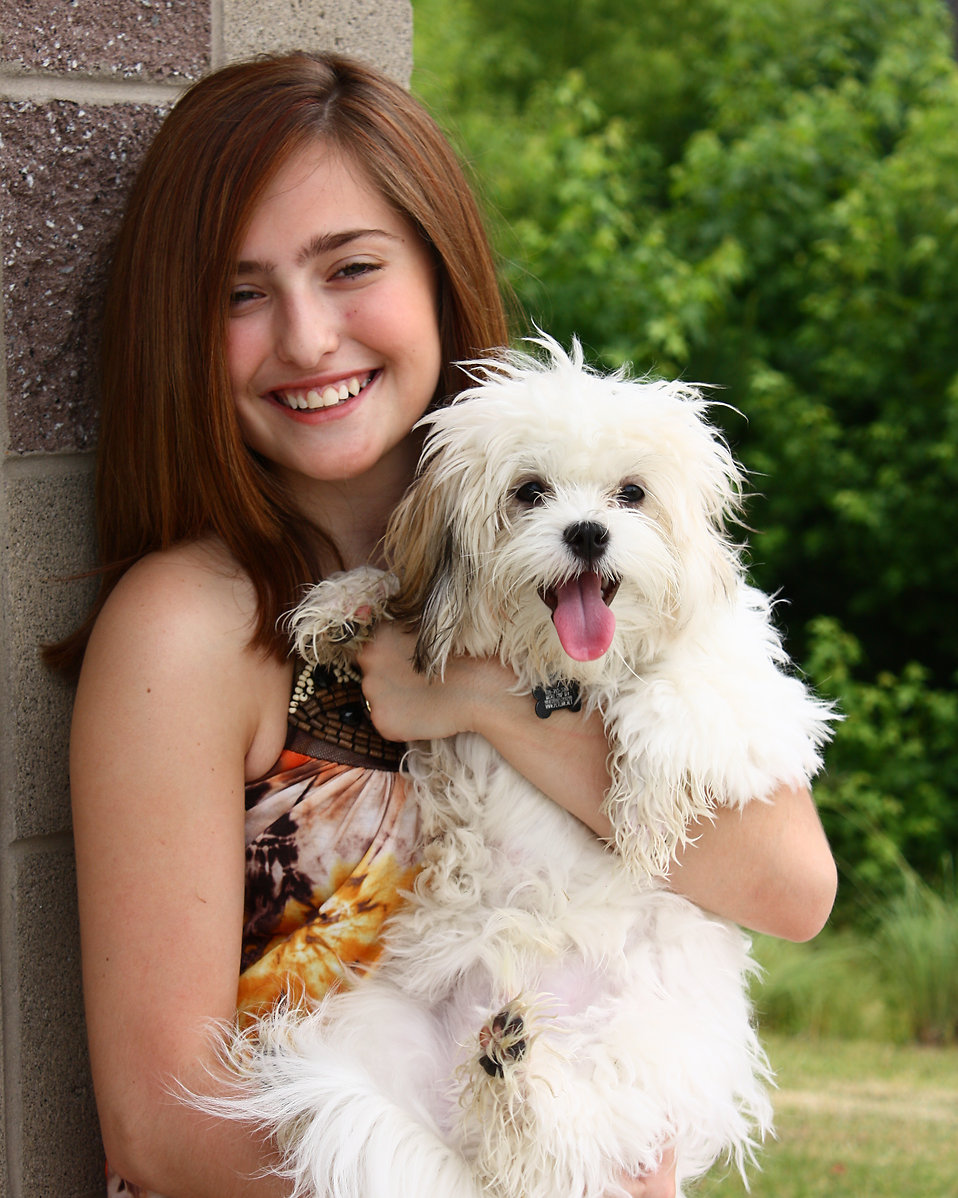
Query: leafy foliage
[[764, 197], [888, 795]]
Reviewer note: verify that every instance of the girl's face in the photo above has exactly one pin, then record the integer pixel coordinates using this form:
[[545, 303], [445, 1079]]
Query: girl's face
[[333, 342]]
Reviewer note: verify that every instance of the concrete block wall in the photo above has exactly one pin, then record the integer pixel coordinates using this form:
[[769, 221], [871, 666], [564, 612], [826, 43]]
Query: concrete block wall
[[83, 86]]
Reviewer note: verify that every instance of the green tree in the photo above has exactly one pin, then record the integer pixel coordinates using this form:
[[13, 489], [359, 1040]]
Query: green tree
[[764, 197], [788, 230]]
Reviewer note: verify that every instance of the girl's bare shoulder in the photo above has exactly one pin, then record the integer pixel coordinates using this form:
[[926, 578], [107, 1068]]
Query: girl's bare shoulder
[[180, 623], [193, 588]]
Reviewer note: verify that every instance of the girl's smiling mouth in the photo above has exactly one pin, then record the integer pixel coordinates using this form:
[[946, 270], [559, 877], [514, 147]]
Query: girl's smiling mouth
[[328, 396]]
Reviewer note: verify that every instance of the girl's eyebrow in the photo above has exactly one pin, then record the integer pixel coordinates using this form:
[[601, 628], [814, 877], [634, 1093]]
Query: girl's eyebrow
[[322, 243]]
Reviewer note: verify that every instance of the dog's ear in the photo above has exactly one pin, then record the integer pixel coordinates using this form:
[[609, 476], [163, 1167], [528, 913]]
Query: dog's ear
[[721, 482], [424, 551], [445, 606], [701, 497]]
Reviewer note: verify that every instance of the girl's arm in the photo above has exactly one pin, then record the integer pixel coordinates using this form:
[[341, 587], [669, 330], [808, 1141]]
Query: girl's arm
[[168, 707], [768, 867]]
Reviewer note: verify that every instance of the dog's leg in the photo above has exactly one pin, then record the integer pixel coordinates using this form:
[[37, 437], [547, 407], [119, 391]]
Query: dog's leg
[[359, 1143], [338, 615], [355, 1093], [502, 1040]]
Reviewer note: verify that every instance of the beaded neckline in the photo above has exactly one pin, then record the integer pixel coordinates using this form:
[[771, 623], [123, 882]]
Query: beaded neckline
[[328, 720]]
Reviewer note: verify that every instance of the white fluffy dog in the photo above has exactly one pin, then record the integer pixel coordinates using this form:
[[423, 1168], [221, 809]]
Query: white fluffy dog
[[548, 1015]]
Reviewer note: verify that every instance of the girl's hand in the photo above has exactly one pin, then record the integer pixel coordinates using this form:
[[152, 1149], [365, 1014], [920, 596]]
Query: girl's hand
[[404, 705]]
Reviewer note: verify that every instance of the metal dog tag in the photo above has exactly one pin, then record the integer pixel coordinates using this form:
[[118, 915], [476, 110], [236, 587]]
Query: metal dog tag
[[557, 696]]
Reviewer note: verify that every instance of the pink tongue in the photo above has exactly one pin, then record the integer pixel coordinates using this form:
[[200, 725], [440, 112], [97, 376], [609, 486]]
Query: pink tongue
[[584, 623]]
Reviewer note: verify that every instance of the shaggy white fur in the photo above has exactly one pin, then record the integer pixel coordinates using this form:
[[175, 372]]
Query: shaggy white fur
[[547, 1014]]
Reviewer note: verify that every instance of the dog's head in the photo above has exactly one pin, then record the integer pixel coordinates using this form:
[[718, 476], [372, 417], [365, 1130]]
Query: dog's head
[[565, 519]]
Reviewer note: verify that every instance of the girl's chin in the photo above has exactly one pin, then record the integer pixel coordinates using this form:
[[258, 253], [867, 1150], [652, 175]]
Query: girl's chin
[[386, 470]]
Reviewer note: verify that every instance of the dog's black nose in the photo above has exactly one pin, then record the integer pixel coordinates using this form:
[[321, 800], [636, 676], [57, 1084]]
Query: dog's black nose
[[587, 540]]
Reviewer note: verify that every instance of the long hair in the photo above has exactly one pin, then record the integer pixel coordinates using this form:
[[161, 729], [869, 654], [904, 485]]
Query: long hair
[[172, 465]]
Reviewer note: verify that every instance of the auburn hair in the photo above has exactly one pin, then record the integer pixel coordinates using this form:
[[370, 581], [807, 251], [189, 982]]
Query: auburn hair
[[172, 465]]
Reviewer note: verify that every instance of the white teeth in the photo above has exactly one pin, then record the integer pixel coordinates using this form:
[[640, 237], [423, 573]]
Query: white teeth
[[327, 398]]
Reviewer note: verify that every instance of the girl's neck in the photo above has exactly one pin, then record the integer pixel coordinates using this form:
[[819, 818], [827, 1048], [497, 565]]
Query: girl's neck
[[354, 512]]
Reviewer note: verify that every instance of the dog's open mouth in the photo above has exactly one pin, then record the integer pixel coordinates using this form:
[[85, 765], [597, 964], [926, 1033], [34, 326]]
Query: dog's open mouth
[[581, 615]]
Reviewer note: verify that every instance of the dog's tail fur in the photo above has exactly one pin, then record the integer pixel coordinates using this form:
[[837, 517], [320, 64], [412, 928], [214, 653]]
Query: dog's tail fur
[[344, 1119]]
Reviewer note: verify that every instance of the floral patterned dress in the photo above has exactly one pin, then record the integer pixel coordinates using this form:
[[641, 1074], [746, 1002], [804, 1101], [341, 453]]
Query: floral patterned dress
[[331, 842]]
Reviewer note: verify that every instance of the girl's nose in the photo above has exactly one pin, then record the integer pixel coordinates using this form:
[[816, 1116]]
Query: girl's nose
[[308, 330]]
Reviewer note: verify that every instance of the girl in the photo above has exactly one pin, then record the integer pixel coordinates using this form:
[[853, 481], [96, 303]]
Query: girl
[[300, 268]]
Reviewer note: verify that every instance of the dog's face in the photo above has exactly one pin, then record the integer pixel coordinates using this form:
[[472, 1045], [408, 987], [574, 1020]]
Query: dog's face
[[568, 520]]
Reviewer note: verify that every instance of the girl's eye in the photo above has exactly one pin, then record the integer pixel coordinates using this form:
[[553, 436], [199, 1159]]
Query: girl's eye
[[243, 295], [356, 270]]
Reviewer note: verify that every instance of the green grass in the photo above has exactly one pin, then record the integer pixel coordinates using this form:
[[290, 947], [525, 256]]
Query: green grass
[[896, 981], [918, 943], [835, 987], [856, 1119], [863, 1110]]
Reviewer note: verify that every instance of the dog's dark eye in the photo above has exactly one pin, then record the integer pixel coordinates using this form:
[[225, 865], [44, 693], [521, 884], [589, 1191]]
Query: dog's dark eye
[[531, 492], [631, 495]]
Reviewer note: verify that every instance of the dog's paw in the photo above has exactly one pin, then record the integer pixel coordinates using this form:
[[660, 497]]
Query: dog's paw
[[502, 1041], [339, 614]]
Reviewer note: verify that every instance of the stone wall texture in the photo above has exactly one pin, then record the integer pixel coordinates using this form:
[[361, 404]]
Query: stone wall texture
[[84, 84]]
